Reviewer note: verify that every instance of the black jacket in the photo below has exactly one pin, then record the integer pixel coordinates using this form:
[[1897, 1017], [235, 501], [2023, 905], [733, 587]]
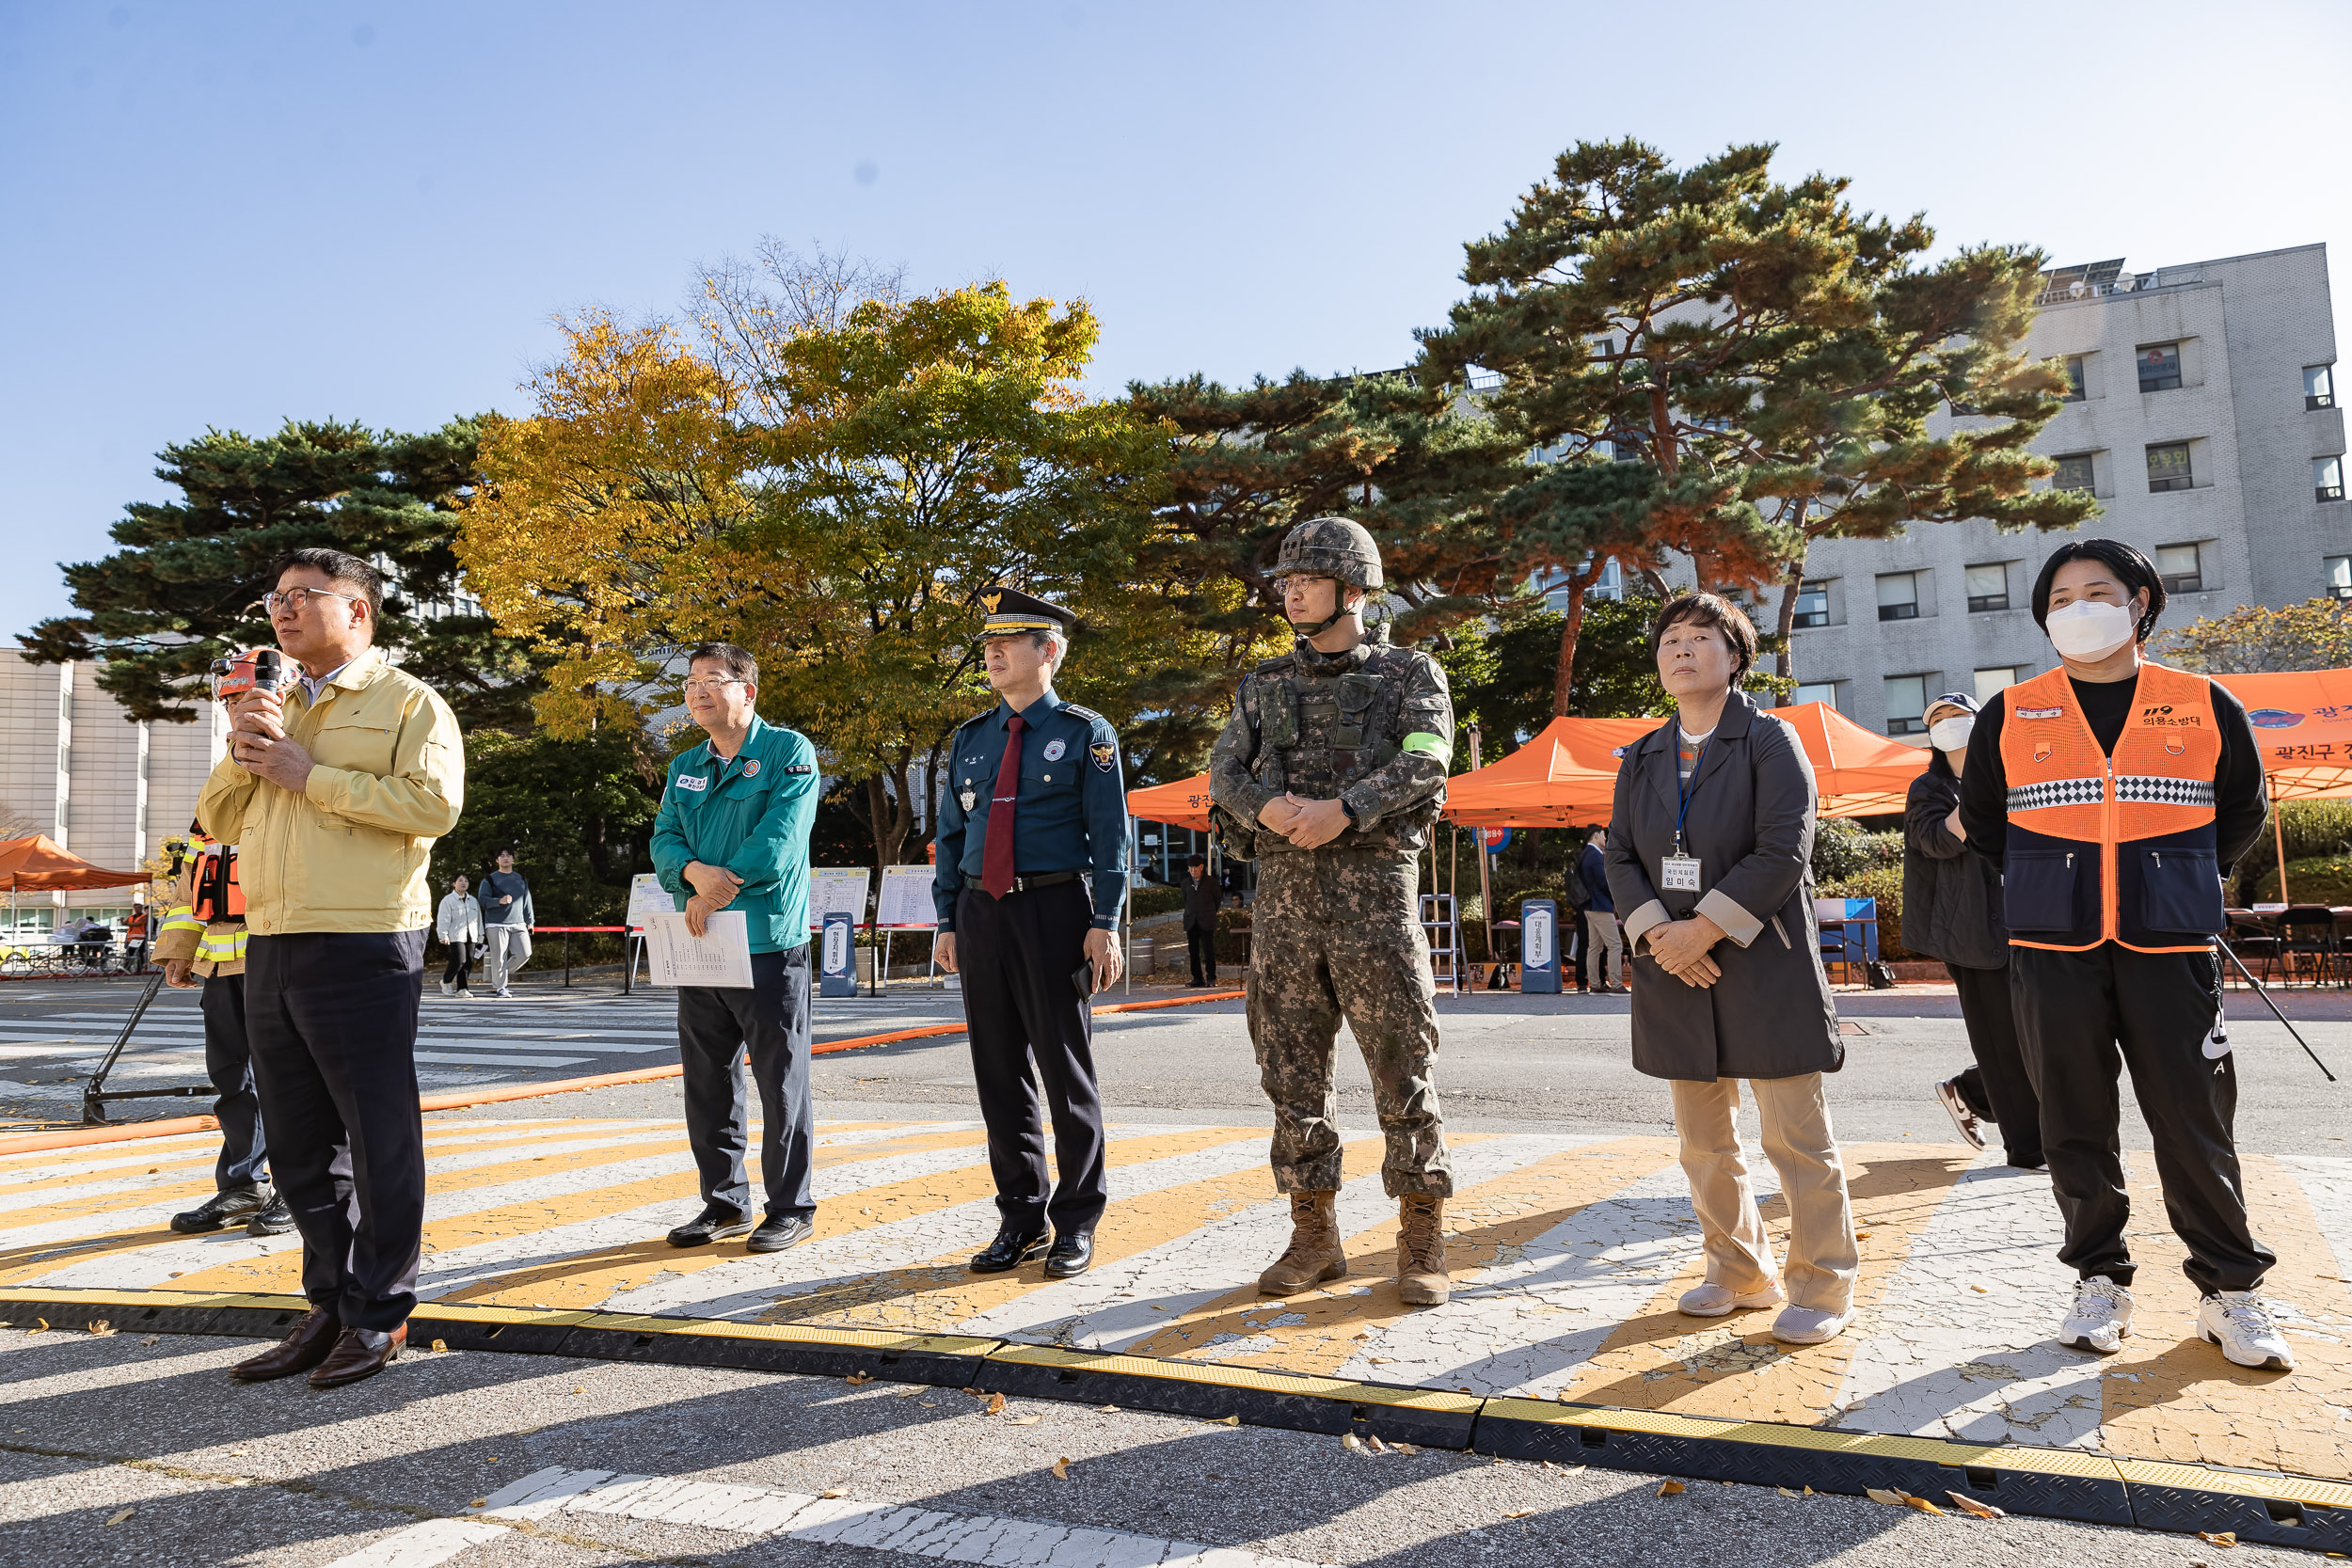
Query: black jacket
[[1952, 898], [1201, 899]]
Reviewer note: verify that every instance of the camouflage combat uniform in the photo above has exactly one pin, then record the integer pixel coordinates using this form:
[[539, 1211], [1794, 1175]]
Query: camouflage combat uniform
[[1336, 932]]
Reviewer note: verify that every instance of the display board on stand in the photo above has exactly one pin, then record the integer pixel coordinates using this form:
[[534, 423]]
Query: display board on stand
[[836, 890], [905, 904]]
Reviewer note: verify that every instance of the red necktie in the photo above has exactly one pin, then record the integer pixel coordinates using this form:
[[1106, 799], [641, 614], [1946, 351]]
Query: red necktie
[[996, 868]]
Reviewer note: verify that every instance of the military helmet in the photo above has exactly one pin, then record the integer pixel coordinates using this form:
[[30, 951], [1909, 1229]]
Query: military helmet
[[1331, 548]]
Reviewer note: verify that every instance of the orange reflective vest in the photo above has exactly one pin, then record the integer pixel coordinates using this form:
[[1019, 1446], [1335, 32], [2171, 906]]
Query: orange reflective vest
[[2113, 849], [219, 896]]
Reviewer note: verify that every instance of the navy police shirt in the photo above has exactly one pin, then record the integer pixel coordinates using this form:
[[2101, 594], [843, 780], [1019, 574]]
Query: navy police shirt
[[1071, 814]]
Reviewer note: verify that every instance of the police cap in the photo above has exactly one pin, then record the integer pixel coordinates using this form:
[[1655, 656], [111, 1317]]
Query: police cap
[[1009, 609]]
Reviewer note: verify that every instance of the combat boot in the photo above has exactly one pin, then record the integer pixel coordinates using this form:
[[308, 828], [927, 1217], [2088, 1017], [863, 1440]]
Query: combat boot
[[1421, 1279], [1314, 1254]]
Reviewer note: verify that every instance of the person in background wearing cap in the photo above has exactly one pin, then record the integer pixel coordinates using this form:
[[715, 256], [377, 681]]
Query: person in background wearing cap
[[203, 941], [1953, 911], [1034, 803], [733, 833], [2115, 794]]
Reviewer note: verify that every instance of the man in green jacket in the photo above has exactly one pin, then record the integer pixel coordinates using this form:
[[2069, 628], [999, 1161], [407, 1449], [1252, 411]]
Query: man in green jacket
[[733, 833]]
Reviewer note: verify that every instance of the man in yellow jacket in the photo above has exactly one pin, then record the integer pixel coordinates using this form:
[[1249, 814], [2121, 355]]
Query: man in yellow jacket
[[335, 786], [202, 942]]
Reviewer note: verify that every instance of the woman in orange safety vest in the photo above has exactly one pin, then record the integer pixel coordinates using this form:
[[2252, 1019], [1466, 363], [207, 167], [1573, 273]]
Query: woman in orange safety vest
[[2115, 794]]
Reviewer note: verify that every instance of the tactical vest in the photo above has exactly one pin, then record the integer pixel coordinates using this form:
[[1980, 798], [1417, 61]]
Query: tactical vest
[[1319, 734], [2117, 848]]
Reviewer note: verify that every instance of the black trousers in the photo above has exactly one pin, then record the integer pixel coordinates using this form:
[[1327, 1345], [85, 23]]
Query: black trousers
[[1200, 948], [1015, 956], [228, 1066], [2080, 1015], [1998, 1089], [332, 1017], [715, 1026], [460, 962]]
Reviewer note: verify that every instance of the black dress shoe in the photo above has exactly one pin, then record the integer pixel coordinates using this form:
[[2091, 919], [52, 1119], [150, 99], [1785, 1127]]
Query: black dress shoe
[[1009, 1250], [312, 1342], [274, 1220], [1072, 1257], [713, 1224], [223, 1210], [780, 1231], [359, 1352]]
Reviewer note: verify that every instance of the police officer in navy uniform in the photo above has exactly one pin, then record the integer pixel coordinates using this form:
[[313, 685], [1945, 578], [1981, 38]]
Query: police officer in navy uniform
[[1032, 870]]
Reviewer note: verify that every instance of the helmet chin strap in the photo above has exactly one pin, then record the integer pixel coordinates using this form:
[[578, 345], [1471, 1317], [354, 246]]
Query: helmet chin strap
[[1340, 610]]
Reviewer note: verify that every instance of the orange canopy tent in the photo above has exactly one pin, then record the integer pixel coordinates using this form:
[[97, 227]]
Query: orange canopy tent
[[2303, 719], [1568, 775], [41, 864], [1184, 803]]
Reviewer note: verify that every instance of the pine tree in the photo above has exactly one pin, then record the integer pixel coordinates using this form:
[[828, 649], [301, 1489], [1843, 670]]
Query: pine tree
[[180, 592]]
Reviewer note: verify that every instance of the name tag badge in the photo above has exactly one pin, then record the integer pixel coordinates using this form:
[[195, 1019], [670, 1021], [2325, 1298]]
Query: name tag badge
[[1679, 874]]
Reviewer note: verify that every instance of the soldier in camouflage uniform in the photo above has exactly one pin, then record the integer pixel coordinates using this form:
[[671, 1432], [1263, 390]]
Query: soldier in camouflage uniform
[[1329, 774]]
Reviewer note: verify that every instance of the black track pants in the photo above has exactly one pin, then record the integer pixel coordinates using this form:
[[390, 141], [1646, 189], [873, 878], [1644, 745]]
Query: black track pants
[[2079, 1016], [1998, 1089]]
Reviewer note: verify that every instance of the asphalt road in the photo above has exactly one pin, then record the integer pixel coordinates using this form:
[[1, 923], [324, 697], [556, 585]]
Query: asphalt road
[[277, 1476]]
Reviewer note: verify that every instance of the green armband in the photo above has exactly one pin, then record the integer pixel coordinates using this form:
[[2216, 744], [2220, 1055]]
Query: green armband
[[1422, 740]]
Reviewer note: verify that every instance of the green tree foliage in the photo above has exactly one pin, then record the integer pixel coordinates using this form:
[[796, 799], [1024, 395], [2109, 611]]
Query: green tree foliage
[[1709, 364], [577, 813], [176, 596], [2256, 639]]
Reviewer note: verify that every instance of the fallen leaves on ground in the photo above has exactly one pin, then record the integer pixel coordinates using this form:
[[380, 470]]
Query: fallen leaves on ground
[[1901, 1499], [1026, 1421], [1970, 1505], [41, 1326], [1061, 1468], [1372, 1441], [100, 1328], [1352, 1443], [1786, 1493], [153, 1339], [857, 1380], [995, 1404], [1110, 1410], [834, 1492], [2219, 1538], [1669, 1488], [1410, 1449], [1520, 1513], [1232, 1420], [124, 1514], [479, 1502], [440, 1347]]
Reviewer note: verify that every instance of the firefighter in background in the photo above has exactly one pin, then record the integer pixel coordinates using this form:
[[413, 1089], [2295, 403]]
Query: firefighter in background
[[203, 938]]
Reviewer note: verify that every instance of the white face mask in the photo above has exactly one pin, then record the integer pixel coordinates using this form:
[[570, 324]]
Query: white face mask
[[2087, 629], [1951, 734]]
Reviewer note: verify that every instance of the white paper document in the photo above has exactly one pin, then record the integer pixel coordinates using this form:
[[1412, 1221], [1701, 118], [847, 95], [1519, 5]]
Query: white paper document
[[721, 957], [906, 898], [836, 889], [646, 895]]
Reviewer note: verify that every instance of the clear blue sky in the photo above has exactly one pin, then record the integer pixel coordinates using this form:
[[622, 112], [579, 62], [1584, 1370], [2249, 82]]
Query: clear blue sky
[[228, 213]]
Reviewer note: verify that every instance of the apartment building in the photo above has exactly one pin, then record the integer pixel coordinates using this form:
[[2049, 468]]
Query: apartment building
[[2204, 412], [110, 791]]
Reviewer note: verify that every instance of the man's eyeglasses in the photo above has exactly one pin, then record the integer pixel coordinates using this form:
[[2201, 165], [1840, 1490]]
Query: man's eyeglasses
[[711, 684], [295, 600], [1282, 585]]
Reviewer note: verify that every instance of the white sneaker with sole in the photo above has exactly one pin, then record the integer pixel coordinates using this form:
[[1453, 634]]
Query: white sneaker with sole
[[2102, 1318], [1802, 1325], [1963, 1118], [2239, 1322], [449, 987], [1720, 1301]]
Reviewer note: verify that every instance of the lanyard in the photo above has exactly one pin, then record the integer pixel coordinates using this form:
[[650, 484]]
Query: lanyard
[[1686, 790]]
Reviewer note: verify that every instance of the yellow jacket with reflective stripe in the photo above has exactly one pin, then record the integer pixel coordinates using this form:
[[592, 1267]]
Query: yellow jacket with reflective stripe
[[349, 852], [216, 949]]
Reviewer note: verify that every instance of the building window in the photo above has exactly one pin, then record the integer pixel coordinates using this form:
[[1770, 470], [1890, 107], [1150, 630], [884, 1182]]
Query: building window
[[1992, 682], [1906, 704], [2319, 386], [1812, 605], [2327, 478], [1899, 597], [2339, 576], [1988, 588], [2074, 380], [2074, 473], [1825, 693], [2168, 467], [2177, 565], [2159, 367]]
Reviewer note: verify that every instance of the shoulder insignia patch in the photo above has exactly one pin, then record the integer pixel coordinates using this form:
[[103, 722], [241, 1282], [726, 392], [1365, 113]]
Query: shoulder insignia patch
[[1105, 756]]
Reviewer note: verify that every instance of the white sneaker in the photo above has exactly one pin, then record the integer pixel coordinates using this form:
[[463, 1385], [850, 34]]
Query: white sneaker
[[449, 987], [463, 995], [1719, 1301], [2102, 1318], [2239, 1322], [1802, 1325], [1963, 1118]]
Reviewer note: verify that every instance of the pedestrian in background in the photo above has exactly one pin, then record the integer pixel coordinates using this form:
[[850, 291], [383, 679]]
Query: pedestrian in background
[[733, 833], [458, 924], [507, 918], [1708, 848], [1031, 875], [1204, 893], [134, 939], [1600, 916], [1953, 911], [333, 793]]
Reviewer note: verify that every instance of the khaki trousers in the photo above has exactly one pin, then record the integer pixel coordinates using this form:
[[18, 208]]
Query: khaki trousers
[[1822, 1258]]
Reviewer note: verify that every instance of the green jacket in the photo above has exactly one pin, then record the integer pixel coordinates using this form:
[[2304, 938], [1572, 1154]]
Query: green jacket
[[751, 815]]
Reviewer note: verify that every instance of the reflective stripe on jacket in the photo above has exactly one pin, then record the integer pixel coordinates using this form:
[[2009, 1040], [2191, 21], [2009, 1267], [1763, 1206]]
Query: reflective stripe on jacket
[[2116, 848], [216, 948]]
